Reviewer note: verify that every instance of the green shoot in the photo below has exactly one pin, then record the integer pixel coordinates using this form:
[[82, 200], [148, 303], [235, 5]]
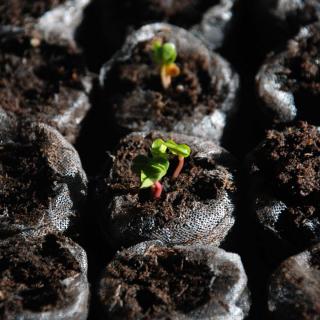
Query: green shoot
[[152, 169], [165, 55]]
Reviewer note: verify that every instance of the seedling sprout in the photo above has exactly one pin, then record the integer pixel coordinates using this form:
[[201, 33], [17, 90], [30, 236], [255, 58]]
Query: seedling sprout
[[182, 151], [164, 55], [152, 169]]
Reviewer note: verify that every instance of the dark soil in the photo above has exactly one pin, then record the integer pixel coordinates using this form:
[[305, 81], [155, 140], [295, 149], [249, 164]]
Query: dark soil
[[302, 76], [193, 184], [158, 284], [134, 91], [27, 182], [31, 273], [22, 12], [290, 162], [38, 82]]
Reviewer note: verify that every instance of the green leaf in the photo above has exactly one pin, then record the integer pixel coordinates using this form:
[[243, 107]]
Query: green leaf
[[169, 53], [164, 54], [145, 181], [181, 150], [150, 169], [159, 148]]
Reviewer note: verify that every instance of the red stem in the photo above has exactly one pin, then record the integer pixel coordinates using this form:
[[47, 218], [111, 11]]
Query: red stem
[[178, 168], [157, 190]]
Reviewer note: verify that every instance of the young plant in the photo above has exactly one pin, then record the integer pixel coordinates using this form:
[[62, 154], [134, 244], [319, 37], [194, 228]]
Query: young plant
[[164, 55], [182, 151], [151, 171]]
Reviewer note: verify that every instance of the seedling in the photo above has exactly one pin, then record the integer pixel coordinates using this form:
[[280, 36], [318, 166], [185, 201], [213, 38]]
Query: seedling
[[182, 151], [165, 55], [151, 171]]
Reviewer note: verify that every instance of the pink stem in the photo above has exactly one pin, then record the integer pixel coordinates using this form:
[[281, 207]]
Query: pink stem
[[178, 168], [157, 190]]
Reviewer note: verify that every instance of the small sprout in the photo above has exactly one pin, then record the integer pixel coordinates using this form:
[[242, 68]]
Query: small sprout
[[151, 171], [165, 56], [180, 150], [160, 147]]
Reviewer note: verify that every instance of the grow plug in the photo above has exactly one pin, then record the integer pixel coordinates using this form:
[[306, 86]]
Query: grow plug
[[182, 151], [164, 55], [151, 171]]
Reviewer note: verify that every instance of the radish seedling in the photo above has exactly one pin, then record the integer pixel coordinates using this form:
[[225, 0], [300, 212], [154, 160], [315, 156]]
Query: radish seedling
[[164, 55]]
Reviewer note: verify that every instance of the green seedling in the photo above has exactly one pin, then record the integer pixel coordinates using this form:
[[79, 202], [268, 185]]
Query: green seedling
[[165, 55], [151, 171], [182, 151]]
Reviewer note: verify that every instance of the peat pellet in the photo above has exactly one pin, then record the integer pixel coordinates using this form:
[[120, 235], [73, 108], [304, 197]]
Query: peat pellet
[[43, 82], [43, 185], [59, 25], [153, 281], [107, 23], [288, 82], [54, 21], [285, 188], [294, 290], [43, 279], [198, 207], [198, 102], [281, 19]]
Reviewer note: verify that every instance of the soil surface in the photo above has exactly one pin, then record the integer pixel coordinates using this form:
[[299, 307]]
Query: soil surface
[[31, 275], [134, 91], [27, 181], [290, 164], [194, 183], [21, 12], [40, 81], [159, 284], [302, 74]]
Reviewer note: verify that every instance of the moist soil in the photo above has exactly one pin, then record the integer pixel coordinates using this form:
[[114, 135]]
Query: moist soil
[[27, 182], [194, 183], [302, 74], [134, 91], [158, 284], [22, 12], [38, 82], [290, 159], [31, 274]]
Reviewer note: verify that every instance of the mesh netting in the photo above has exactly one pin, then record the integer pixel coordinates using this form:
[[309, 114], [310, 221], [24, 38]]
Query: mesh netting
[[225, 84], [288, 15], [22, 296], [216, 24], [180, 282], [295, 287], [276, 223], [277, 97], [58, 26], [196, 218], [44, 191]]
